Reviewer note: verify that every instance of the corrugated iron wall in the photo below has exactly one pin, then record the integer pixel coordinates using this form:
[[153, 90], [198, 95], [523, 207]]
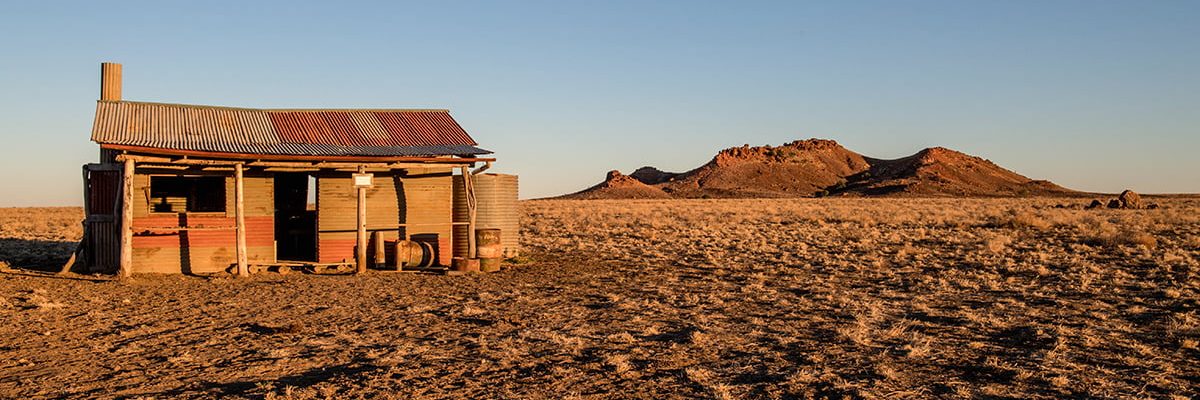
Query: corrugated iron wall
[[211, 246], [429, 205], [337, 215], [102, 244], [497, 207], [417, 198]]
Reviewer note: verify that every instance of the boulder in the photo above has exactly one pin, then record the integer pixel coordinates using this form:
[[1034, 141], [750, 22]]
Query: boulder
[[1130, 200], [1094, 205], [1114, 203]]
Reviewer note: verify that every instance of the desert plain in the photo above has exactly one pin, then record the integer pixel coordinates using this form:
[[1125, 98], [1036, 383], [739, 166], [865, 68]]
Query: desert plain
[[701, 298]]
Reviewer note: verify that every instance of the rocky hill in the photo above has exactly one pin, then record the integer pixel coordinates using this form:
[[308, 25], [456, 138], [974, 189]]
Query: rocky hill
[[938, 171], [620, 186], [819, 167]]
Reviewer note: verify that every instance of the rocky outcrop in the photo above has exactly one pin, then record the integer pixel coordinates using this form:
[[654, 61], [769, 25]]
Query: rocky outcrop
[[820, 167], [652, 176], [619, 186], [797, 169], [938, 171]]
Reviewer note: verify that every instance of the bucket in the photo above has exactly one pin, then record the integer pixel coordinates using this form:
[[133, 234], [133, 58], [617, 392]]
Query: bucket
[[465, 264]]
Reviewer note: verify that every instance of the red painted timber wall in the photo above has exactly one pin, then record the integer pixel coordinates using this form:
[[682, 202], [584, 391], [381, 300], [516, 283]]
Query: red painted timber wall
[[159, 248]]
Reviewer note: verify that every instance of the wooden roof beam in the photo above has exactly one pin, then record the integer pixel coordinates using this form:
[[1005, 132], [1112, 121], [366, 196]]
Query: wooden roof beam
[[173, 163], [287, 157]]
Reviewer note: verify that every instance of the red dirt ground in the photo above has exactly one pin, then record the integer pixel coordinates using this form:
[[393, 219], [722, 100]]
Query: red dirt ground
[[662, 299]]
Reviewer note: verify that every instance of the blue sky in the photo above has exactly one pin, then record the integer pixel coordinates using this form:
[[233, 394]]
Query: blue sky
[[1094, 95]]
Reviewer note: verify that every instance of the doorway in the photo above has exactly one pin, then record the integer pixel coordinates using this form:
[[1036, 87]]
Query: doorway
[[295, 217]]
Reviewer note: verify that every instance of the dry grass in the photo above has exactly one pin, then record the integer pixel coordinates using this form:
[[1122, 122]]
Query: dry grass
[[858, 298], [39, 237], [926, 297]]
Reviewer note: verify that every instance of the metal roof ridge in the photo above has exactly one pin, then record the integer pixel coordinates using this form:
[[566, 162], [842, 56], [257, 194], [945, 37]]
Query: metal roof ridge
[[435, 110]]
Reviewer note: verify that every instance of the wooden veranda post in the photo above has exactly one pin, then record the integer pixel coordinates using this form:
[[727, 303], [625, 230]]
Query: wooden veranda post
[[126, 267], [469, 192], [380, 253], [240, 215], [361, 250]]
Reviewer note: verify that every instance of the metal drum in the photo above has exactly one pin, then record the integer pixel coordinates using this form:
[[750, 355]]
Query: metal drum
[[413, 254], [489, 249]]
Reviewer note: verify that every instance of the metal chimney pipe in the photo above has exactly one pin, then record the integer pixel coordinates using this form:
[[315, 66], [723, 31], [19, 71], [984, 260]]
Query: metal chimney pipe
[[110, 81]]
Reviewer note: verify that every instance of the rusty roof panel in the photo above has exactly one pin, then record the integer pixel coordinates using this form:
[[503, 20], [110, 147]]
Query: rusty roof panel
[[267, 131], [369, 126], [422, 128]]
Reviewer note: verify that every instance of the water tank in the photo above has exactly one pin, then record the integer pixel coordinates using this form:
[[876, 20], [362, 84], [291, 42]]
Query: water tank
[[496, 208]]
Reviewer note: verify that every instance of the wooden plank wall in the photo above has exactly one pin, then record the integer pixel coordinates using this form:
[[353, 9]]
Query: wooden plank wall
[[421, 198], [202, 251]]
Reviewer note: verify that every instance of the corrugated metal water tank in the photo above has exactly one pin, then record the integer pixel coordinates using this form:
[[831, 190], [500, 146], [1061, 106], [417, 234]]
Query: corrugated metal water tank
[[496, 207]]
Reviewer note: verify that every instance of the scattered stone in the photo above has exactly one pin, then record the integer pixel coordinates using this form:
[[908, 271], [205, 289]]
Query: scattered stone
[[1130, 200], [1127, 200]]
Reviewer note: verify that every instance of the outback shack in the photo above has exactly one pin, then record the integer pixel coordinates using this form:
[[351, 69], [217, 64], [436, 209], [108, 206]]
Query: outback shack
[[201, 189]]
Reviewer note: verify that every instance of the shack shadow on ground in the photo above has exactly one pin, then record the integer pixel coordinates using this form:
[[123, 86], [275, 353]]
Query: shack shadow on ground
[[36, 254], [351, 371]]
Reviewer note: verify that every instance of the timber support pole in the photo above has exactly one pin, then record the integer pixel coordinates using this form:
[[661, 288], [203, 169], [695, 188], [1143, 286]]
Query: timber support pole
[[361, 249], [469, 192], [125, 269], [380, 252], [240, 214]]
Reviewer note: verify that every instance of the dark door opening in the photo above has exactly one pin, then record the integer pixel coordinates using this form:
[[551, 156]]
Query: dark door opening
[[295, 217]]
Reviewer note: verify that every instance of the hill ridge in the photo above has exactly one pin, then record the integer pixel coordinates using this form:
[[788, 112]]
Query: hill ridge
[[823, 167]]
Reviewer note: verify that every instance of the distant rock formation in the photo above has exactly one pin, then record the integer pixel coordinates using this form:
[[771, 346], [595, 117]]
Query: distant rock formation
[[652, 176], [938, 171], [820, 167], [797, 169], [619, 186]]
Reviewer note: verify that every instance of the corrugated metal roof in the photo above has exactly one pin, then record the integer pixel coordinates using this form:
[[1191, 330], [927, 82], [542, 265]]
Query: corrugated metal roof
[[283, 132]]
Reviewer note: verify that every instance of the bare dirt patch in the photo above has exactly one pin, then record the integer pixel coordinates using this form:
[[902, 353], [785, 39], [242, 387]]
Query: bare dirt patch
[[871, 298]]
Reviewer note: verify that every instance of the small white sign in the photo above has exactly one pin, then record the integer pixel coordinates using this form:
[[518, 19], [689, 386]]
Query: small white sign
[[363, 180]]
